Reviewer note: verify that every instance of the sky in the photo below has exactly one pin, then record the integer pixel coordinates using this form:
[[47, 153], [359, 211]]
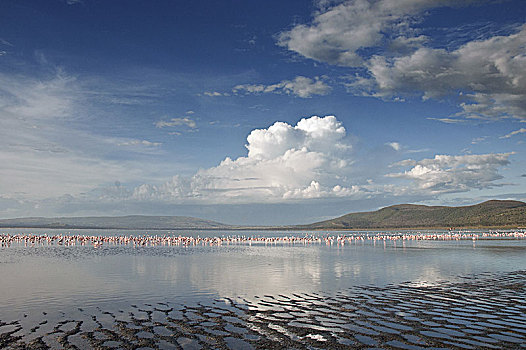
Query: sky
[[259, 112]]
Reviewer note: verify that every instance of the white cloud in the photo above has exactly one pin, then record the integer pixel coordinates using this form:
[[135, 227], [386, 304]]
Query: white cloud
[[300, 86], [338, 33], [394, 145], [45, 148], [37, 100], [139, 143], [306, 160], [489, 73], [445, 173], [478, 140], [513, 133], [185, 121], [214, 93], [448, 120], [5, 42], [311, 160], [284, 163], [315, 190]]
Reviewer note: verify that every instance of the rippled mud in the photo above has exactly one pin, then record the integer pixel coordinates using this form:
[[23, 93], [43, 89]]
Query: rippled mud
[[482, 312]]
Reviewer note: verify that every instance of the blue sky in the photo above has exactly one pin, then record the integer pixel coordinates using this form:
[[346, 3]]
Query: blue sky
[[259, 112]]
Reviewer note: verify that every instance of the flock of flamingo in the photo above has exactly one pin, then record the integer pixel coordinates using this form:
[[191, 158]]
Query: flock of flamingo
[[97, 241]]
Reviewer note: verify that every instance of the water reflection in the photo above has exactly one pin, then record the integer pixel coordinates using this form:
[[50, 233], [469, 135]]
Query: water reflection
[[51, 276]]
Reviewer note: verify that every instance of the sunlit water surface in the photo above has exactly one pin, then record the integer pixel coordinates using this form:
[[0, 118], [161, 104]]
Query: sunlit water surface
[[63, 277]]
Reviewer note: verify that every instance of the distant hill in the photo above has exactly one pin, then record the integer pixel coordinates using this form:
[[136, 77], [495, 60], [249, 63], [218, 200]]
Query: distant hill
[[137, 222], [492, 213], [488, 214]]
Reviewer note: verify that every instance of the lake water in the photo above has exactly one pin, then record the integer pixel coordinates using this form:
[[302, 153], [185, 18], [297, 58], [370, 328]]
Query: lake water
[[85, 289], [62, 277]]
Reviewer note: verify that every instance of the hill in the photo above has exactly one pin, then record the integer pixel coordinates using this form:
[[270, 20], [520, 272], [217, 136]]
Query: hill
[[131, 222], [492, 213]]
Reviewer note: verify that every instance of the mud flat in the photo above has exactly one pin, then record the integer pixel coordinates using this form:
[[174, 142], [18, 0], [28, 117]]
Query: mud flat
[[487, 311]]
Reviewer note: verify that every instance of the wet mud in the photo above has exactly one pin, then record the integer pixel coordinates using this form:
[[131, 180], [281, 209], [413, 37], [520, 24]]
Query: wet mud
[[479, 312]]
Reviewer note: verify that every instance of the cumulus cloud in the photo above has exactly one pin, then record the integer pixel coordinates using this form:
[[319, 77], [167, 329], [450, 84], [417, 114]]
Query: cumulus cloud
[[379, 37], [491, 75], [284, 163], [312, 159], [306, 160], [300, 86], [337, 33], [445, 173], [315, 190], [185, 121]]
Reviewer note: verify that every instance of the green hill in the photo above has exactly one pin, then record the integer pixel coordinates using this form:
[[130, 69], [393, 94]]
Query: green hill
[[488, 214], [492, 213]]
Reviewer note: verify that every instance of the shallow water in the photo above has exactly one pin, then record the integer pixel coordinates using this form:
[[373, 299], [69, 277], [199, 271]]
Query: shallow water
[[66, 277]]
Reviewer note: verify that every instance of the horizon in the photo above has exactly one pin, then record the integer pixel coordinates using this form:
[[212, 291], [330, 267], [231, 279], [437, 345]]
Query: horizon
[[233, 224], [273, 113]]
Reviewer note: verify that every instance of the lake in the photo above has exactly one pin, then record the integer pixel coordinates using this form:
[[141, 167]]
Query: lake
[[57, 279]]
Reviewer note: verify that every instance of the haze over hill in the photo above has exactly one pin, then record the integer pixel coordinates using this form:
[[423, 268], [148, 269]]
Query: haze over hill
[[116, 222], [488, 214], [492, 213]]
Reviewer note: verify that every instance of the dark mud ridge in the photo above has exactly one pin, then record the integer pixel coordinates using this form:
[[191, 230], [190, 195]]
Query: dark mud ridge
[[482, 312]]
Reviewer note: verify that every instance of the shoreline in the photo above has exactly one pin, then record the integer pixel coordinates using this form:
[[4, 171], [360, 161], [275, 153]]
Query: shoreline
[[271, 228], [6, 240]]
